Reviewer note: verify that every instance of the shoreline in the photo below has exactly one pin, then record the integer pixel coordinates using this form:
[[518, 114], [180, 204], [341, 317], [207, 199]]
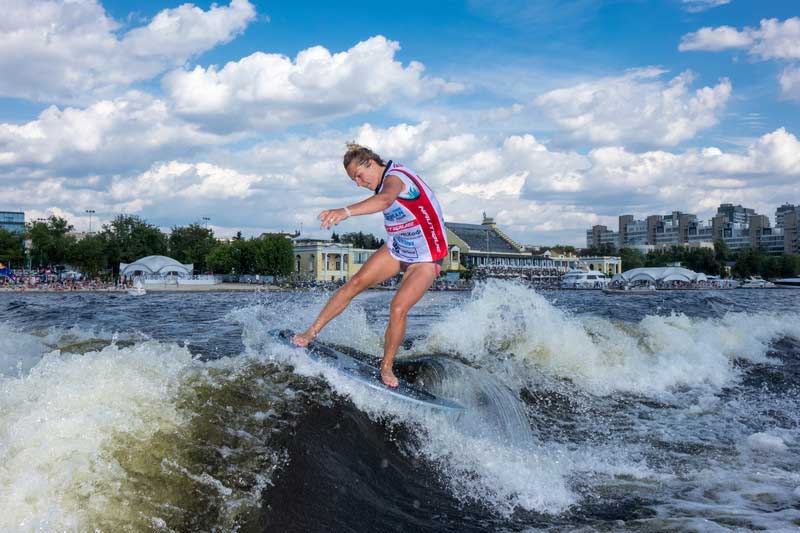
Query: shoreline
[[219, 287]]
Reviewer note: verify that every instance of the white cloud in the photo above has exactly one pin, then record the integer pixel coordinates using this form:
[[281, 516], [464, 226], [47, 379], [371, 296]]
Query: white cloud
[[272, 91], [120, 133], [68, 51], [192, 181], [790, 82], [698, 6], [715, 39], [773, 39], [536, 193], [636, 107]]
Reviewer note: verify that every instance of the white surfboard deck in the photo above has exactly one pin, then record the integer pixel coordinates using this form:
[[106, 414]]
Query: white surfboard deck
[[368, 374]]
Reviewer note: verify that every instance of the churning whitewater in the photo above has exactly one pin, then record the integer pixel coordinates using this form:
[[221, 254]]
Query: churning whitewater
[[180, 412]]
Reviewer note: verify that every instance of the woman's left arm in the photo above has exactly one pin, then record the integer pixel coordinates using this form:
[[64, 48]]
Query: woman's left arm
[[392, 187]]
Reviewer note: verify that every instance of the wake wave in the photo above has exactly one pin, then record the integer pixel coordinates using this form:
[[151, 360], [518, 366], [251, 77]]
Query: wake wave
[[139, 437], [656, 355]]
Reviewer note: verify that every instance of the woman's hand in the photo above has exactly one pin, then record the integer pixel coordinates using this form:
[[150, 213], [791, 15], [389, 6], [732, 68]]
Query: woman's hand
[[332, 217]]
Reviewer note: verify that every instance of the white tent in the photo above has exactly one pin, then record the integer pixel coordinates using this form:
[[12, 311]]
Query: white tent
[[654, 274], [156, 265]]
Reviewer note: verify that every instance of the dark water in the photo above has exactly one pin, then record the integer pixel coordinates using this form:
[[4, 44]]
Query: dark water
[[670, 412]]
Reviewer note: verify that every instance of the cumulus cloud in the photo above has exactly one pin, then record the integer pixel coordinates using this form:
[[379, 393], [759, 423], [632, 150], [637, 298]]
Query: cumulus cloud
[[68, 51], [715, 39], [790, 82], [698, 6], [636, 107], [773, 39], [109, 135], [271, 90], [535, 192]]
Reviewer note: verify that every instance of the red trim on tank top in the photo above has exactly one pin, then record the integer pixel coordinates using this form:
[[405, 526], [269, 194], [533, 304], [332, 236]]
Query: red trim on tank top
[[422, 208]]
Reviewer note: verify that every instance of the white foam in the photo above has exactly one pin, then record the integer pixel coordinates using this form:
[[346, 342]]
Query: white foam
[[19, 352], [56, 422], [766, 443], [501, 467], [654, 356]]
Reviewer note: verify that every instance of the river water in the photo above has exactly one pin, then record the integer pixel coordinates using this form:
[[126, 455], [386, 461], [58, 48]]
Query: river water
[[179, 412]]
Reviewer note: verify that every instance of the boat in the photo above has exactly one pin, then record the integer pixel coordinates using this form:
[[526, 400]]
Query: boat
[[137, 289], [584, 279], [788, 282], [756, 283]]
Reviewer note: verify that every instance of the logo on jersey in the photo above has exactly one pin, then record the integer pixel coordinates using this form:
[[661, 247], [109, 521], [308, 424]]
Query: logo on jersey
[[403, 252], [394, 214], [411, 194]]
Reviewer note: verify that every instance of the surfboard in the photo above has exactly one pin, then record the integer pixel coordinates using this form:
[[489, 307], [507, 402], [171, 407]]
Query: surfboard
[[368, 374]]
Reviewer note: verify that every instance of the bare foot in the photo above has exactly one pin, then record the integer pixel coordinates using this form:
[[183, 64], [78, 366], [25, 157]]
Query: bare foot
[[302, 339], [388, 377]]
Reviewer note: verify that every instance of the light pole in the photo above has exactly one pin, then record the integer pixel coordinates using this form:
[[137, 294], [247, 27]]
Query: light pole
[[205, 222], [90, 212]]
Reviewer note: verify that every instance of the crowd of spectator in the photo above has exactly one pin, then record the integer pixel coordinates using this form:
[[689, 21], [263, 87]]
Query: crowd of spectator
[[47, 280]]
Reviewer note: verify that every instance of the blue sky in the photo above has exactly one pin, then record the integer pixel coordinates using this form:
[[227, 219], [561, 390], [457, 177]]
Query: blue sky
[[551, 116]]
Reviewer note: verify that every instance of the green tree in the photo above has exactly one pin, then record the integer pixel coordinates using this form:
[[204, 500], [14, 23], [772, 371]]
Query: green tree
[[191, 244], [771, 267], [128, 238], [604, 249], [220, 259], [243, 253], [721, 251], [274, 255], [790, 266], [563, 249], [12, 250], [748, 263], [89, 255], [362, 240], [631, 258], [49, 241]]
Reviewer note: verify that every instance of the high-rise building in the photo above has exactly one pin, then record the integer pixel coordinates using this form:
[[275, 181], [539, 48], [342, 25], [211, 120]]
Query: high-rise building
[[781, 212], [624, 220], [600, 235], [791, 222], [652, 222], [739, 227], [735, 213], [757, 224], [13, 221]]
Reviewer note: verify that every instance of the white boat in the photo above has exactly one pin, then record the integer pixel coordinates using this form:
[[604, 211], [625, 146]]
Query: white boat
[[788, 282], [584, 279], [756, 283], [138, 289]]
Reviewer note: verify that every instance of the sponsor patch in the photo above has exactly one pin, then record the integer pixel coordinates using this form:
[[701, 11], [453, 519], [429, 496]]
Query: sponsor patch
[[394, 214]]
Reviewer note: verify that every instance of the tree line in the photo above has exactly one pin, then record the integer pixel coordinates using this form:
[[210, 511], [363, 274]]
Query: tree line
[[359, 240], [128, 238], [743, 263]]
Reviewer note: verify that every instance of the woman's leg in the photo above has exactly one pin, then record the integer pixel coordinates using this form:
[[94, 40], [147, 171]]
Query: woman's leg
[[379, 267], [417, 279]]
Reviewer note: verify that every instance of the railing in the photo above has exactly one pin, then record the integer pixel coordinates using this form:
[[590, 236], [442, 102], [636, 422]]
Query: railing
[[166, 281]]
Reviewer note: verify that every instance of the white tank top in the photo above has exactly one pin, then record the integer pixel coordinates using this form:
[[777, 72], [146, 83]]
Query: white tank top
[[414, 221]]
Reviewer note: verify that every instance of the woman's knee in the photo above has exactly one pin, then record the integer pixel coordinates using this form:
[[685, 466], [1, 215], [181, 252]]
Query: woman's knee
[[398, 309], [356, 285]]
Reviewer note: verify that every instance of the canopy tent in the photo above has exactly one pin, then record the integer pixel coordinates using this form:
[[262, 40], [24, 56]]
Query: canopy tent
[[663, 274], [156, 265]]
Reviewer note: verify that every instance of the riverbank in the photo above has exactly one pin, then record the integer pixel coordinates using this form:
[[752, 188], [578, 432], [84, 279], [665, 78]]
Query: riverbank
[[219, 287]]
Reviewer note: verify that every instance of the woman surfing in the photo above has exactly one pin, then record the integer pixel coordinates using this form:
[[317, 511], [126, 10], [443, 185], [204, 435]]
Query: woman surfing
[[416, 245]]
